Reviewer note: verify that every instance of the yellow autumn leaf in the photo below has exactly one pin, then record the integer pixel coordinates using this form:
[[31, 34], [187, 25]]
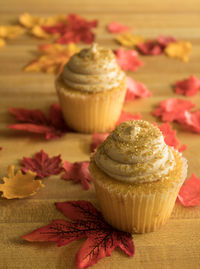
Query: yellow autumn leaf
[[11, 31], [49, 21], [2, 43], [179, 50], [30, 21], [39, 32], [19, 185], [129, 40], [34, 24], [52, 59]]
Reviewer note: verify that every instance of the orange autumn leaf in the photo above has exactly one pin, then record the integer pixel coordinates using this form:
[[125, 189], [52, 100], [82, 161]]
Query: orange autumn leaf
[[52, 59], [11, 31], [19, 185], [2, 43], [179, 50], [129, 40]]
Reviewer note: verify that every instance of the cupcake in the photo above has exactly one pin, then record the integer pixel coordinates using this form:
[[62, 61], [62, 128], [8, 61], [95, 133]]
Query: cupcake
[[91, 90], [137, 177]]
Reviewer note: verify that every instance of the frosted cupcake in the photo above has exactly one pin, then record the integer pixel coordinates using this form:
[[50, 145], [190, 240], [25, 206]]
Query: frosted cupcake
[[91, 90], [137, 177]]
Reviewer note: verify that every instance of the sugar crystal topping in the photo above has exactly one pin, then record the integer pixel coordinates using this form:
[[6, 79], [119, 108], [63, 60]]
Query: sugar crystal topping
[[135, 151], [93, 69]]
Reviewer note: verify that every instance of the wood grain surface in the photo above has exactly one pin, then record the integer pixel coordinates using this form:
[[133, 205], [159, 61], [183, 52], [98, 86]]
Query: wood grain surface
[[177, 244]]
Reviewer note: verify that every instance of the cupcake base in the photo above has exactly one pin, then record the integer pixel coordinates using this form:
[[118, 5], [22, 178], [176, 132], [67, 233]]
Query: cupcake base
[[91, 112], [138, 208]]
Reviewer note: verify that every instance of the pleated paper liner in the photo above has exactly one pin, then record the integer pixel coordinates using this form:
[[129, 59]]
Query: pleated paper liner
[[138, 208], [91, 112]]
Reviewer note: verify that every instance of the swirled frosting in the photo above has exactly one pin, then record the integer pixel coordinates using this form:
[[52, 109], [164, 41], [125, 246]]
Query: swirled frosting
[[135, 152], [93, 70]]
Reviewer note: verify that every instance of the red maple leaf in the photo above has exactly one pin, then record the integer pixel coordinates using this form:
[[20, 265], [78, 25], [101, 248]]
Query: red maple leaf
[[164, 41], [190, 121], [189, 194], [172, 109], [136, 90], [188, 87], [116, 27], [97, 139], [35, 121], [88, 222], [150, 47], [128, 59], [127, 116], [75, 29], [42, 164], [170, 137], [78, 172]]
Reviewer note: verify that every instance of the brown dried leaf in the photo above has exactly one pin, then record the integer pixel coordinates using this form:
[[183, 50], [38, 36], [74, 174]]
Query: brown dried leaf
[[179, 50], [19, 185]]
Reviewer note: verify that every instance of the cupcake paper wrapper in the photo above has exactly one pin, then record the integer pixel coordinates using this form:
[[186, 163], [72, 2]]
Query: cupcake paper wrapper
[[136, 212], [91, 113]]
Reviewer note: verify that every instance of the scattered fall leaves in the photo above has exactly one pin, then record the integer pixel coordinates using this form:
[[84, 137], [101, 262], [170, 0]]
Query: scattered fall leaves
[[136, 90], [35, 121], [150, 47], [52, 59], [190, 121], [116, 27], [34, 24], [29, 21], [175, 109], [164, 41], [8, 32], [19, 185], [189, 194], [11, 31], [157, 46], [172, 109], [78, 172], [179, 50], [188, 87], [75, 29], [87, 222], [128, 59], [42, 164]]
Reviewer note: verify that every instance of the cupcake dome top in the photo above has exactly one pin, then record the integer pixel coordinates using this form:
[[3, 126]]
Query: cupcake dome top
[[135, 151], [93, 69]]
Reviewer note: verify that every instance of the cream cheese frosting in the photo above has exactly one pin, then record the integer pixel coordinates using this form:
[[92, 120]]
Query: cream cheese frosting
[[93, 70], [135, 152]]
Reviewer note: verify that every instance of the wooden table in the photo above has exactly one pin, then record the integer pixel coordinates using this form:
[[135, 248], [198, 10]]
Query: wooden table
[[177, 244]]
